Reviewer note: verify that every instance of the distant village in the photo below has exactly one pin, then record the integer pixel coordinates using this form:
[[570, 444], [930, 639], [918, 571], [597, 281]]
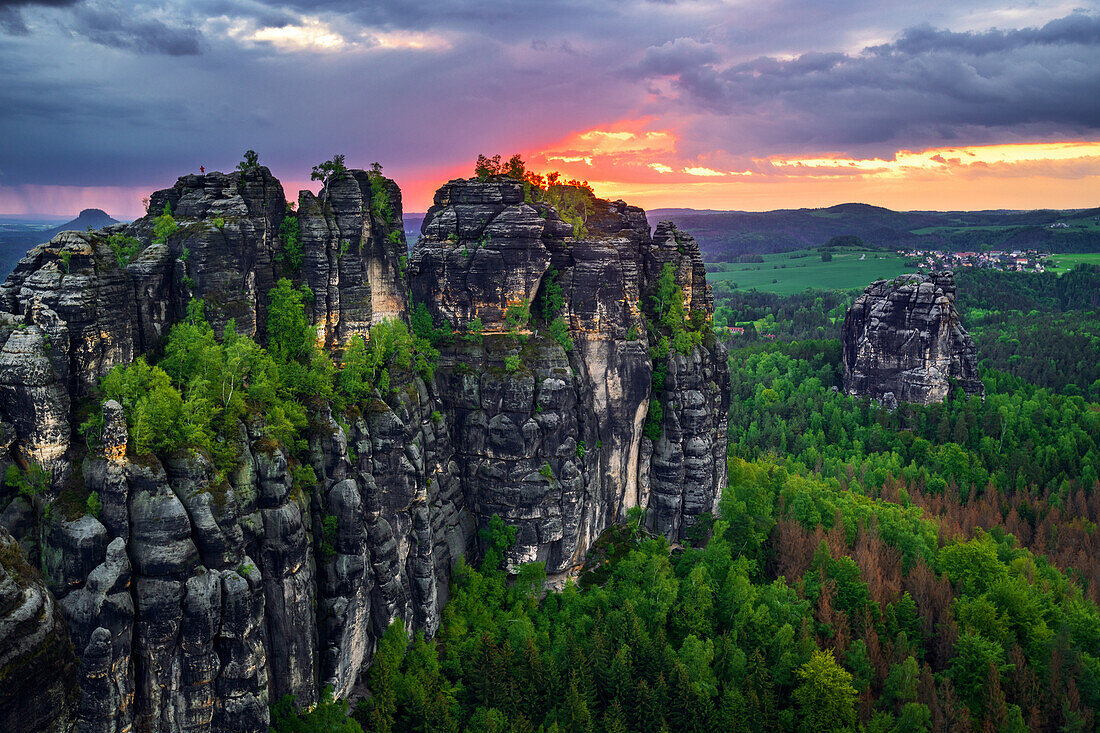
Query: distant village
[[1015, 261]]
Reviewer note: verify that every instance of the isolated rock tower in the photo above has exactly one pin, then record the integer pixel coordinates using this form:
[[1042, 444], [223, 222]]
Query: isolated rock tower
[[904, 342]]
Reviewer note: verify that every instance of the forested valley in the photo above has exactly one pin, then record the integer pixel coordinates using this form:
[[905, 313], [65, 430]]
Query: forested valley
[[931, 568]]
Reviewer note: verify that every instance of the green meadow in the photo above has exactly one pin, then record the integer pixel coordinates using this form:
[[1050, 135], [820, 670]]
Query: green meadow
[[792, 272], [1069, 261]]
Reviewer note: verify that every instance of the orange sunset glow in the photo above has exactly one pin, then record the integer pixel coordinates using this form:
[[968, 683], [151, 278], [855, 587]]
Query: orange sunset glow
[[641, 165]]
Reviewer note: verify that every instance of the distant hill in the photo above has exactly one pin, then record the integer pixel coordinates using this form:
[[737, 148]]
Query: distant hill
[[94, 218], [725, 234]]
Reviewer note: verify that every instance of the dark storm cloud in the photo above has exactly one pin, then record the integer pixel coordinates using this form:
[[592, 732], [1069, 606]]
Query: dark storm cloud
[[129, 29], [1077, 29], [677, 57], [927, 85], [11, 21], [174, 84]]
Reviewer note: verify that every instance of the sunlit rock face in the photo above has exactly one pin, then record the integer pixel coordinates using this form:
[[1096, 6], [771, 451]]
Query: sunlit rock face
[[190, 599], [548, 438], [904, 342]]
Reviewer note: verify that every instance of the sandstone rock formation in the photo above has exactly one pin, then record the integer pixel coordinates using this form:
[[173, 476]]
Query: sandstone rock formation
[[904, 342], [37, 669], [556, 446], [194, 598]]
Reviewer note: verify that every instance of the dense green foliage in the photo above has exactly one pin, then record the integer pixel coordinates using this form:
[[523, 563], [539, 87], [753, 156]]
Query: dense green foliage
[[1042, 327], [164, 225], [205, 385], [328, 716], [672, 321], [1077, 289], [125, 247], [1060, 351], [291, 237], [551, 305], [868, 570], [367, 363], [1019, 436], [810, 608], [324, 172], [195, 396], [809, 315]]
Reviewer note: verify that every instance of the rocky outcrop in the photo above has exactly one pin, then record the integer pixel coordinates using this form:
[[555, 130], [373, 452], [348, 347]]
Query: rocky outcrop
[[353, 254], [193, 597], [549, 431], [904, 342], [37, 680]]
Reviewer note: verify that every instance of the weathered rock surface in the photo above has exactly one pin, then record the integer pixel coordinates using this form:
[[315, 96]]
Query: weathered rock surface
[[904, 342], [353, 254], [194, 599], [37, 667], [555, 446]]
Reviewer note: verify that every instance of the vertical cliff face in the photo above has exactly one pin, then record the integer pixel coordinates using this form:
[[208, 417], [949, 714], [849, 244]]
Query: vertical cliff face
[[37, 680], [549, 426], [194, 598], [353, 254], [904, 342]]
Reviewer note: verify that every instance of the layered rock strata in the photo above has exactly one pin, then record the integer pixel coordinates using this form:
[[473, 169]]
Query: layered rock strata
[[194, 599], [904, 342], [551, 438]]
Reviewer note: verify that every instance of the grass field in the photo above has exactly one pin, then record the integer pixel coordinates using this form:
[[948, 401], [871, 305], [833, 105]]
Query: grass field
[[1068, 262], [793, 273]]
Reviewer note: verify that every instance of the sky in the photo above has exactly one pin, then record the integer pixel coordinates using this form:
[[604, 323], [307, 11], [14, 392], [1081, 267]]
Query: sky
[[746, 105]]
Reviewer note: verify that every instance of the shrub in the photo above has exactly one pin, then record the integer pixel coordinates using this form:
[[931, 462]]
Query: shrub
[[512, 363], [516, 316], [475, 329], [94, 505], [29, 483], [164, 225], [290, 236], [154, 408], [652, 429], [329, 525], [367, 363], [124, 247], [560, 332], [305, 478], [380, 207], [325, 172], [552, 299], [251, 161], [329, 716], [289, 335]]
